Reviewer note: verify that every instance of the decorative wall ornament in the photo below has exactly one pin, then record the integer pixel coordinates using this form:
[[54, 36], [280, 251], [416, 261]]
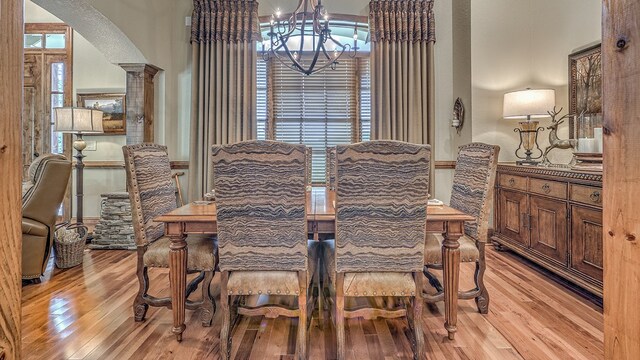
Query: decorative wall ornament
[[458, 115], [554, 141]]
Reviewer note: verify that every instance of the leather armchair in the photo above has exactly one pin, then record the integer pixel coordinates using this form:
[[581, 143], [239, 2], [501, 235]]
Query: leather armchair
[[42, 195]]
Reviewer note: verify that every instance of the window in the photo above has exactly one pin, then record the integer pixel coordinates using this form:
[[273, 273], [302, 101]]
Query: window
[[261, 111], [365, 99], [321, 110], [57, 93], [328, 108]]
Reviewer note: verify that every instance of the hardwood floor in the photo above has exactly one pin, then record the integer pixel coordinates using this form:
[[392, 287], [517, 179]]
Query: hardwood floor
[[85, 313]]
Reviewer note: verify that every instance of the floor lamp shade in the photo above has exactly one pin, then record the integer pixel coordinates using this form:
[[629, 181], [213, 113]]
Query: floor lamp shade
[[78, 120]]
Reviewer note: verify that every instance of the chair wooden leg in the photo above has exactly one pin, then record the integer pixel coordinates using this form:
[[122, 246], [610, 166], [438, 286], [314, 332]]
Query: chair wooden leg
[[318, 284], [433, 281], [301, 344], [208, 303], [225, 340], [340, 334], [482, 300], [140, 306], [418, 304], [193, 284]]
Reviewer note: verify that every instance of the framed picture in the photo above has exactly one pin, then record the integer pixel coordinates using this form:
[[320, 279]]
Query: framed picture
[[113, 106], [585, 83]]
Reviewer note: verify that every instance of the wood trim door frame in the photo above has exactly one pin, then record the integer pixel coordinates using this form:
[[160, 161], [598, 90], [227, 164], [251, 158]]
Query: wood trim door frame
[[11, 65]]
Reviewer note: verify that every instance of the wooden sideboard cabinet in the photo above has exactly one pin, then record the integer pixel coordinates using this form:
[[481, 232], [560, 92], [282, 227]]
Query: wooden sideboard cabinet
[[553, 217]]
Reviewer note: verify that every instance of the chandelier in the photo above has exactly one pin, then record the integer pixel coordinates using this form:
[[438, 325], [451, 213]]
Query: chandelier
[[306, 33]]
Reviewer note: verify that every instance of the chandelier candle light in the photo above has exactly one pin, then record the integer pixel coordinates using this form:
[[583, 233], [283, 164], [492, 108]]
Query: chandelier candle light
[[306, 32], [528, 104]]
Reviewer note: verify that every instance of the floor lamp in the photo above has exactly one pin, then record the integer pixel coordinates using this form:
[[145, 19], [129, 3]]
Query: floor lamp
[[78, 121]]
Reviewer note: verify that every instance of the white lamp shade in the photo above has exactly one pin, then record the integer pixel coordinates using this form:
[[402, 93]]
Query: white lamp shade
[[525, 103], [78, 120]]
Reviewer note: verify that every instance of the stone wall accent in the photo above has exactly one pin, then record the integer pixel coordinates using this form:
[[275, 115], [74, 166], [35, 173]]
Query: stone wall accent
[[115, 228]]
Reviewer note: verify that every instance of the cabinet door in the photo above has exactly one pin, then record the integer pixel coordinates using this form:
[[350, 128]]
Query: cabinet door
[[586, 241], [512, 216], [549, 227]]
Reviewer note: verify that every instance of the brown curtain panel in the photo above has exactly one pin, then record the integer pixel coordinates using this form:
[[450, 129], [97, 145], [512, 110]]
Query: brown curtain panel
[[402, 81], [223, 110]]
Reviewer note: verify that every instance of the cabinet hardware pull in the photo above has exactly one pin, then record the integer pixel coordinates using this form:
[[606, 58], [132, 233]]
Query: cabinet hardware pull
[[595, 196], [512, 182], [546, 188]]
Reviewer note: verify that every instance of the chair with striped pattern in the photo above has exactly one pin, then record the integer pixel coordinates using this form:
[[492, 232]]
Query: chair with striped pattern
[[381, 211], [472, 193], [261, 198], [152, 193], [330, 175]]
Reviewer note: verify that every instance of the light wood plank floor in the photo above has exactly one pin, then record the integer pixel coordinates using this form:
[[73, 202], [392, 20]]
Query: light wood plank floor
[[85, 313]]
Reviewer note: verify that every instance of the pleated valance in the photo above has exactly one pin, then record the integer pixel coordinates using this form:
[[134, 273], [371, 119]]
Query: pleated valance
[[225, 20], [401, 20]]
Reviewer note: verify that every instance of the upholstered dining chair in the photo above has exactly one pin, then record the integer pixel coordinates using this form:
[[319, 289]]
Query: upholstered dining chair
[[330, 174], [309, 159], [262, 232], [381, 211], [152, 193], [472, 193], [42, 195]]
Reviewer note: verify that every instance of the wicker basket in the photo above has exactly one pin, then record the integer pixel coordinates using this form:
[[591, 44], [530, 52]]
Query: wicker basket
[[69, 242]]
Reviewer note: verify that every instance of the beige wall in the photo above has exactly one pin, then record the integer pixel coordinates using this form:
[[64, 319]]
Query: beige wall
[[484, 48], [520, 44], [452, 73], [157, 28], [91, 73]]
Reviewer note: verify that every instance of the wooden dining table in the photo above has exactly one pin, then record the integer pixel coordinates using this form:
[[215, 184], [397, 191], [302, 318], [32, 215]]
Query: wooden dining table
[[201, 219]]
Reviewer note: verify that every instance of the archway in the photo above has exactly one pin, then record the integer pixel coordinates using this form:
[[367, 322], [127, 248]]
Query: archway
[[96, 28]]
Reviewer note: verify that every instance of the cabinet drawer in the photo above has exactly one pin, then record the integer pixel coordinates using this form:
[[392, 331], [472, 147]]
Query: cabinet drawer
[[513, 182], [586, 194], [547, 187]]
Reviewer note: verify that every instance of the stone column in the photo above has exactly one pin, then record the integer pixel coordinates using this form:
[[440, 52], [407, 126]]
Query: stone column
[[140, 102]]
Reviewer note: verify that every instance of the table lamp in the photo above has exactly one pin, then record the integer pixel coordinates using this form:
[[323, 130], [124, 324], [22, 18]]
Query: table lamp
[[528, 104], [78, 121]]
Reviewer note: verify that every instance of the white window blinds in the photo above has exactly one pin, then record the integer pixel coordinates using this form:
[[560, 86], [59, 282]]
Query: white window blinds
[[320, 110], [261, 99], [365, 99]]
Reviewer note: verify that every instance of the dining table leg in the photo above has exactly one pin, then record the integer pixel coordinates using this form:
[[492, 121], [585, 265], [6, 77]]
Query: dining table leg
[[451, 274], [177, 275]]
